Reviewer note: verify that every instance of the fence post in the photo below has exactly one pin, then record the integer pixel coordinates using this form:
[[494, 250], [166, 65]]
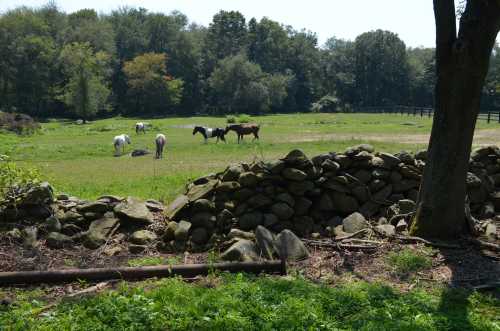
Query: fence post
[[499, 117], [429, 112], [489, 116], [414, 111], [421, 112]]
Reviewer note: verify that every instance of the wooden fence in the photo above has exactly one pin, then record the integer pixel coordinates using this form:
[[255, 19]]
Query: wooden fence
[[484, 115]]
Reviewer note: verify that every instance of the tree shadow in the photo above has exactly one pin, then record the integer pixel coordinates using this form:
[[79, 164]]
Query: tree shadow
[[468, 268]]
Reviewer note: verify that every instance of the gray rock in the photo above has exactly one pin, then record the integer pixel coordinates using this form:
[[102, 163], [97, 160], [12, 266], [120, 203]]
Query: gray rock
[[297, 158], [354, 223], [202, 205], [154, 206], [232, 173], [326, 202], [330, 165], [39, 195], [199, 236], [270, 220], [62, 197], [227, 187], [204, 219], [52, 224], [182, 231], [243, 250], [294, 174], [250, 221], [99, 232], [401, 226], [143, 237], [243, 194], [406, 157], [93, 207], [136, 249], [286, 198], [383, 194], [491, 230], [359, 148], [176, 206], [488, 210], [30, 235], [265, 242], [421, 155], [276, 167], [387, 229], [362, 193], [390, 161], [236, 233], [363, 175], [170, 231], [302, 206], [201, 191], [259, 201], [300, 188], [282, 210], [248, 179], [344, 203], [58, 240], [369, 208], [290, 247], [70, 229], [472, 180], [133, 211]]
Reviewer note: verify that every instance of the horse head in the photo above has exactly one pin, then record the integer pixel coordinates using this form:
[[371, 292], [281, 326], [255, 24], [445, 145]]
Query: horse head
[[196, 129], [229, 128], [127, 139]]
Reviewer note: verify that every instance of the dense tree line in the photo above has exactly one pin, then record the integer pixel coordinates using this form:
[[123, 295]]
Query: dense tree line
[[132, 61]]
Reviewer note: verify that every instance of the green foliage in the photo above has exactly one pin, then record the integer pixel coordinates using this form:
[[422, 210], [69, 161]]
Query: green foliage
[[153, 260], [327, 104], [239, 85], [239, 302], [408, 261], [85, 91], [230, 119], [151, 88], [14, 180]]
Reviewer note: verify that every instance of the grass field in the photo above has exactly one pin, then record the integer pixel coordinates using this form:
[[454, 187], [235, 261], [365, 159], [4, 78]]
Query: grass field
[[78, 159], [247, 303]]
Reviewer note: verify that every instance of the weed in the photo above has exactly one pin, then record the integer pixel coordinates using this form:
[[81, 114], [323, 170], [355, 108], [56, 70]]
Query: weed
[[409, 261]]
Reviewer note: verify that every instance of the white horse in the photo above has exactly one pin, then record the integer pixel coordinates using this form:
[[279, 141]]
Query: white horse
[[120, 142], [140, 127], [160, 142]]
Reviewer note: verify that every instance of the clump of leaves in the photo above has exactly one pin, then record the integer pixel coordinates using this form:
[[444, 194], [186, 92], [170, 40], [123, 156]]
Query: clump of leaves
[[408, 261], [14, 180], [244, 118], [231, 119]]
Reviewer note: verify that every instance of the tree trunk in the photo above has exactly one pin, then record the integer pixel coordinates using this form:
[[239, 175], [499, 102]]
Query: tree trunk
[[462, 64]]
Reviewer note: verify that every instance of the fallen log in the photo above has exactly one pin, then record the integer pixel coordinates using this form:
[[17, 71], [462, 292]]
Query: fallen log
[[137, 273]]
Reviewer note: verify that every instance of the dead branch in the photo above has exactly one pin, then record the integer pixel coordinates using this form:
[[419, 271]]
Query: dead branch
[[486, 245], [350, 236], [426, 242]]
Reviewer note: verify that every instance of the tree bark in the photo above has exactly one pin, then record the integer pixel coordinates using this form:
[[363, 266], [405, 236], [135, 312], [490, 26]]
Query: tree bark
[[462, 64]]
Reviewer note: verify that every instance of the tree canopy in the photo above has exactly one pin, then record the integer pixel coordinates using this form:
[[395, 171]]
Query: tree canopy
[[285, 68]]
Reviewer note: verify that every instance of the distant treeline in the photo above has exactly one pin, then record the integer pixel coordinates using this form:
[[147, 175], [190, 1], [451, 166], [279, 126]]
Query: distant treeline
[[135, 62]]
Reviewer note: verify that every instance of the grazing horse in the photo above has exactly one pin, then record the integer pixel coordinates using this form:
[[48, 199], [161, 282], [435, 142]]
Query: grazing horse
[[140, 127], [244, 129], [120, 142], [160, 142], [210, 133]]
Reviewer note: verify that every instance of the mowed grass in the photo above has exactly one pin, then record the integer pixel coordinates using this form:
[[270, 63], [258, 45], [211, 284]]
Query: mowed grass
[[78, 159], [238, 302]]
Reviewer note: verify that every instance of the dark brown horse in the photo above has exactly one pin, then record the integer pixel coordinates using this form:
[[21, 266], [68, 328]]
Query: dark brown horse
[[244, 129]]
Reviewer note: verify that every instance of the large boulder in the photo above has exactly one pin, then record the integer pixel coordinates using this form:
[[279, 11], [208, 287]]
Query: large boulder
[[250, 221], [39, 195], [282, 210], [133, 211], [265, 242], [354, 222], [58, 240], [290, 247], [344, 203], [232, 173], [243, 250], [99, 231], [182, 231], [143, 237], [248, 179], [199, 236], [93, 207], [294, 174]]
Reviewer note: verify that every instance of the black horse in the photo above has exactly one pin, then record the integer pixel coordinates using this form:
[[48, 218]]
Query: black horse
[[218, 133]]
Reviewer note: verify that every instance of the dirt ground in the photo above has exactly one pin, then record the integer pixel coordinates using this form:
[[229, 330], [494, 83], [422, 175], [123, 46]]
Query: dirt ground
[[481, 137]]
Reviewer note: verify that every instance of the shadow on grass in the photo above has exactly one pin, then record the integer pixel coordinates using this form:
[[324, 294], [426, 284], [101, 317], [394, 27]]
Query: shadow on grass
[[468, 268]]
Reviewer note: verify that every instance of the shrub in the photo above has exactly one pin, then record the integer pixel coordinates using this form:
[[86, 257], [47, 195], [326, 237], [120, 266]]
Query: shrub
[[15, 180], [18, 123], [408, 261], [231, 119], [327, 104], [244, 118]]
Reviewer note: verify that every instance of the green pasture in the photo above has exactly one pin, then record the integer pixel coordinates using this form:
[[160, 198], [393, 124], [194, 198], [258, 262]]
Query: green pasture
[[78, 159]]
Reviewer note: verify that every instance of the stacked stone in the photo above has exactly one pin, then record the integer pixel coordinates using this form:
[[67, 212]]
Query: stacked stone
[[313, 196]]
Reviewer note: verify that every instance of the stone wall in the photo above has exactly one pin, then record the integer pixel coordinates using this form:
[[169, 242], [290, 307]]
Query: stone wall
[[312, 196]]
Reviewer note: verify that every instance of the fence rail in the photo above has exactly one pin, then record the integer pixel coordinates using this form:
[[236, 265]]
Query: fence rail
[[484, 115]]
